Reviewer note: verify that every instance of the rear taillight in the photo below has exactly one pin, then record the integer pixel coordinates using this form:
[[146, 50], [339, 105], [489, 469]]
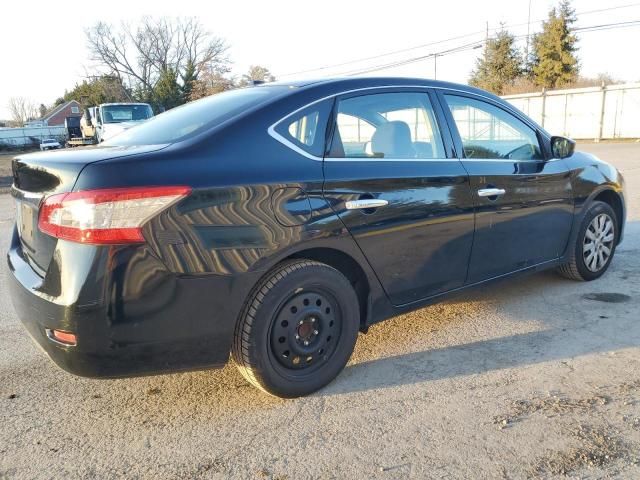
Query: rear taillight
[[106, 216]]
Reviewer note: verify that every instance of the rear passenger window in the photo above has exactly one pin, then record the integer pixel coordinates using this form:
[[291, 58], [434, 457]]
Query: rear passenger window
[[306, 130], [387, 125], [490, 132]]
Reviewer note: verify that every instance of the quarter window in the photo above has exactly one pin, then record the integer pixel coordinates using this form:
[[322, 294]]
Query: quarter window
[[306, 129], [490, 132], [387, 125]]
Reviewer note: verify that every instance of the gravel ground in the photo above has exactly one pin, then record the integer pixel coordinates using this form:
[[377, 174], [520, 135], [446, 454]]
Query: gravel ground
[[5, 172], [532, 377]]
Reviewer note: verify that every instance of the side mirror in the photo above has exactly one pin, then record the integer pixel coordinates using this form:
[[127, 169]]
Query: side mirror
[[87, 115], [562, 147]]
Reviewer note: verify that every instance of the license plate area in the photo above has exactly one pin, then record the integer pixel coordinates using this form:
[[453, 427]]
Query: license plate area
[[25, 221]]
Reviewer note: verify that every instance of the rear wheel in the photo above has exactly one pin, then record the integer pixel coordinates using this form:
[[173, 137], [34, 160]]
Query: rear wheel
[[595, 244], [297, 330]]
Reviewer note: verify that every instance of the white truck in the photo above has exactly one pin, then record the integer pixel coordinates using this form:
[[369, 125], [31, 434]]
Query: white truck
[[104, 121]]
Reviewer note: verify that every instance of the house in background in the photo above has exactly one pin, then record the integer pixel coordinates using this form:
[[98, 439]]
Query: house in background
[[56, 117]]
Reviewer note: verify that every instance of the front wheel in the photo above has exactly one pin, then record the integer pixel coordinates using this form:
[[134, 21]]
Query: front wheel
[[297, 330], [595, 244]]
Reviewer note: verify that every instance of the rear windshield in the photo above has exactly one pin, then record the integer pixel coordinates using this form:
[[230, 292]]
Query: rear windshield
[[195, 117]]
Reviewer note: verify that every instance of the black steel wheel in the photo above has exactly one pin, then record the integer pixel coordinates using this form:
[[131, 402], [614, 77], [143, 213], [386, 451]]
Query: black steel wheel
[[298, 329], [306, 330]]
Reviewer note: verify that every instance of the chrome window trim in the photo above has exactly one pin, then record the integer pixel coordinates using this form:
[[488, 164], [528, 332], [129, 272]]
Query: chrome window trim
[[287, 143], [375, 159]]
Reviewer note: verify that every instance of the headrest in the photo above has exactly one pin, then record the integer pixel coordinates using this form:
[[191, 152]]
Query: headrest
[[393, 140]]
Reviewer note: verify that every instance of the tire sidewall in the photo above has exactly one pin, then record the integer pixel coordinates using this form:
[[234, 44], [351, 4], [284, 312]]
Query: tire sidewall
[[597, 208], [271, 373]]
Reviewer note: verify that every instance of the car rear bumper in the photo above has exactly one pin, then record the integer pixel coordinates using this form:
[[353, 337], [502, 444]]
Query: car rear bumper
[[165, 325]]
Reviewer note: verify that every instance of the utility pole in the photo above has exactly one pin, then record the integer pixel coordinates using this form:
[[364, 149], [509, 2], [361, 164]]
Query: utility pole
[[526, 50], [435, 66]]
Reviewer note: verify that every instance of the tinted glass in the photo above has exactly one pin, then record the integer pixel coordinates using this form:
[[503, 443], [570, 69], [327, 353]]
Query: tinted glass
[[387, 125], [490, 132], [126, 113], [306, 129], [195, 117]]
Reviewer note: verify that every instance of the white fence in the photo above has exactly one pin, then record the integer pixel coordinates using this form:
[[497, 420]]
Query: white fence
[[17, 138], [606, 112]]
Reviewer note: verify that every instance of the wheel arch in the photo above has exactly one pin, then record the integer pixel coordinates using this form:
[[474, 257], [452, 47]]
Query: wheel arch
[[613, 199], [349, 267]]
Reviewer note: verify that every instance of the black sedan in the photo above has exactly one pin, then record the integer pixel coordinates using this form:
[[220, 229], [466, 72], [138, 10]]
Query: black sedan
[[274, 223]]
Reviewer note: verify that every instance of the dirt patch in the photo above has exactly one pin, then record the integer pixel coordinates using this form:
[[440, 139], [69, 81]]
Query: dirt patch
[[596, 447], [550, 406], [594, 442]]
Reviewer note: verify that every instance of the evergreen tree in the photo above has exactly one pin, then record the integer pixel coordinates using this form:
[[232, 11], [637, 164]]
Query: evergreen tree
[[104, 89], [499, 66], [167, 93], [553, 61], [189, 77]]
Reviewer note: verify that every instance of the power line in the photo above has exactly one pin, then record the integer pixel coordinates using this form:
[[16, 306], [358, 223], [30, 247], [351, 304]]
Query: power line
[[438, 42], [606, 26], [461, 48], [474, 45]]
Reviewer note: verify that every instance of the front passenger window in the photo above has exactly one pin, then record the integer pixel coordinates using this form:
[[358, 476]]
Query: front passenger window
[[490, 132]]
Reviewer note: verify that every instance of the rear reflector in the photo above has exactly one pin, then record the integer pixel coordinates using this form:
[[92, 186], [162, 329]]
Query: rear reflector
[[63, 337], [106, 216]]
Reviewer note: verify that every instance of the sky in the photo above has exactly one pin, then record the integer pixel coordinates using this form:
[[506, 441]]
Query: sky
[[43, 45]]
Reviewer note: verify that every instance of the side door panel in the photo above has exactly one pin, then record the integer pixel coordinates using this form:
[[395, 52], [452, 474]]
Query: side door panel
[[530, 222], [419, 243], [528, 225]]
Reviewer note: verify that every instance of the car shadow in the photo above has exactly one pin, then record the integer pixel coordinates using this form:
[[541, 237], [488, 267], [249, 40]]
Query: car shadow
[[572, 319], [475, 358]]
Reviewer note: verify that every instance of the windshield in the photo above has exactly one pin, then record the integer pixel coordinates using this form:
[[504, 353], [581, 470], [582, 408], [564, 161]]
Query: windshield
[[125, 113], [195, 117]]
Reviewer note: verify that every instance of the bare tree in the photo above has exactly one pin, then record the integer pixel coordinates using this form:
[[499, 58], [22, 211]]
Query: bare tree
[[257, 73], [209, 83], [22, 110], [140, 55]]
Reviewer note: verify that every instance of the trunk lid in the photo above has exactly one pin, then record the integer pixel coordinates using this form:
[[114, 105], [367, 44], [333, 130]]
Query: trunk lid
[[38, 175]]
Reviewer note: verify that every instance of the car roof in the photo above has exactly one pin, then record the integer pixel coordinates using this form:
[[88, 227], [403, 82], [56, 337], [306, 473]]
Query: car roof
[[349, 83]]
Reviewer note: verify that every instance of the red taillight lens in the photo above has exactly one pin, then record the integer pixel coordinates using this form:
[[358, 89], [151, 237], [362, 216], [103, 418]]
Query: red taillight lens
[[106, 216]]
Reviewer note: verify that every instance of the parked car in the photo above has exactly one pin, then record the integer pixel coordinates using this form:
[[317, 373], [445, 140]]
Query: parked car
[[274, 223], [49, 144]]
